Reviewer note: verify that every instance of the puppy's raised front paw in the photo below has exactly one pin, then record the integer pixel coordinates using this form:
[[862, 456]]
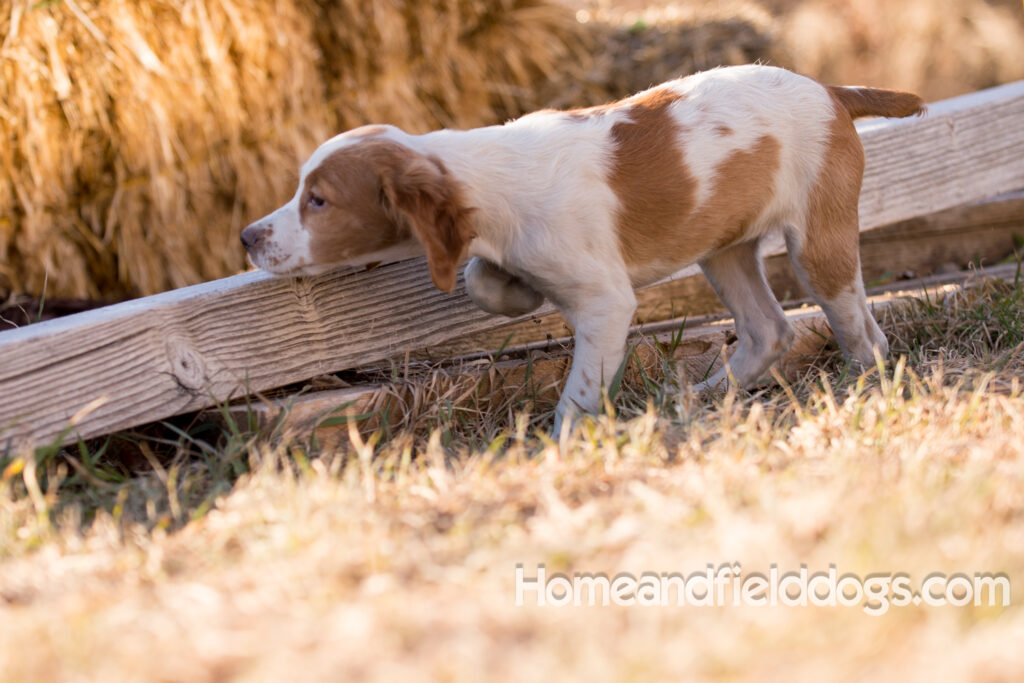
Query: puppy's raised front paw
[[498, 291]]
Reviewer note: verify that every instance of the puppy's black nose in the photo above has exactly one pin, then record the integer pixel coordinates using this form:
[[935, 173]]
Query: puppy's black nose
[[252, 236]]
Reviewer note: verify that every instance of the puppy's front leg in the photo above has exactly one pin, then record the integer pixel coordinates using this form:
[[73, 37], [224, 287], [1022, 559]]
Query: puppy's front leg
[[601, 322]]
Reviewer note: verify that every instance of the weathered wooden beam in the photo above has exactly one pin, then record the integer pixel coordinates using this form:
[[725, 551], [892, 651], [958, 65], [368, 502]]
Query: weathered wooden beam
[[147, 359], [698, 350]]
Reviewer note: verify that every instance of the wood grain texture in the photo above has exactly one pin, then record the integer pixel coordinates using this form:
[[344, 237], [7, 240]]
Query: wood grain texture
[[966, 148], [151, 358]]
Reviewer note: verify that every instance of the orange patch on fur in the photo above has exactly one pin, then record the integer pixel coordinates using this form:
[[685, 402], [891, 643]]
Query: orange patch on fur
[[430, 201], [744, 186], [658, 220], [831, 251], [650, 178]]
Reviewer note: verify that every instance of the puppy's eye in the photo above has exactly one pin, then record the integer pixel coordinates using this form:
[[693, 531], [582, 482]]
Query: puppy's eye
[[315, 201]]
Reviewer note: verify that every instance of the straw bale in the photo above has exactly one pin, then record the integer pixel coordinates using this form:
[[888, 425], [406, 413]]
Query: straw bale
[[141, 135], [447, 63]]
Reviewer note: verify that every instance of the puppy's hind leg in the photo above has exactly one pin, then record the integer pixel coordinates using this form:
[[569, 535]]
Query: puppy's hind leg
[[825, 251], [498, 291], [737, 276], [831, 275]]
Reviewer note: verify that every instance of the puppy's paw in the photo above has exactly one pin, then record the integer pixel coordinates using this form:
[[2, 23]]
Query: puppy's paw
[[711, 386], [498, 291]]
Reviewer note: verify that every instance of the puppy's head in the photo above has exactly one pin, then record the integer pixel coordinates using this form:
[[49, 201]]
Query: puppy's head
[[361, 200]]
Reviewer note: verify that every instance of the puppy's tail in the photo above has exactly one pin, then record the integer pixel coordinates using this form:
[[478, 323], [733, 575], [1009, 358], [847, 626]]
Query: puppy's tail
[[876, 102]]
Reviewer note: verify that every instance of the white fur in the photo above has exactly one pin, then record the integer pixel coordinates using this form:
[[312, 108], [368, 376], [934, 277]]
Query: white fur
[[287, 251]]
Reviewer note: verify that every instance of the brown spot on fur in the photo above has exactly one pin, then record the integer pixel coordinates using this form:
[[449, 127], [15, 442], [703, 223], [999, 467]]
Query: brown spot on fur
[[651, 180], [658, 220], [830, 254], [723, 130], [378, 194], [352, 220], [744, 186], [431, 203], [831, 251]]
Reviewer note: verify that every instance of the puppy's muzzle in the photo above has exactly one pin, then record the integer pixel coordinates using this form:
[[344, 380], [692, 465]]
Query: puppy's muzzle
[[254, 236]]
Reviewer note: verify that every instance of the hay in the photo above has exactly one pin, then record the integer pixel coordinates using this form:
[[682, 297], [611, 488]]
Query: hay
[[936, 49], [142, 136], [132, 129], [444, 63]]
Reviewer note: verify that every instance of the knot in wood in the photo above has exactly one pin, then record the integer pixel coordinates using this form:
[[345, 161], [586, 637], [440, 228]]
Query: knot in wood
[[187, 365]]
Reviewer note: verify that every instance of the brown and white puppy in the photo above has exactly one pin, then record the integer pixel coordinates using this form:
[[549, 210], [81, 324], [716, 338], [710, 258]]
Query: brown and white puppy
[[583, 206]]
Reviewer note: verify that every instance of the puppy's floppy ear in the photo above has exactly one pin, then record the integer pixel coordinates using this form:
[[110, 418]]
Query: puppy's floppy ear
[[422, 192]]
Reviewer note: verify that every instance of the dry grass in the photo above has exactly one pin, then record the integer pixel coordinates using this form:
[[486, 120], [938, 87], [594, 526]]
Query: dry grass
[[203, 552], [228, 554]]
